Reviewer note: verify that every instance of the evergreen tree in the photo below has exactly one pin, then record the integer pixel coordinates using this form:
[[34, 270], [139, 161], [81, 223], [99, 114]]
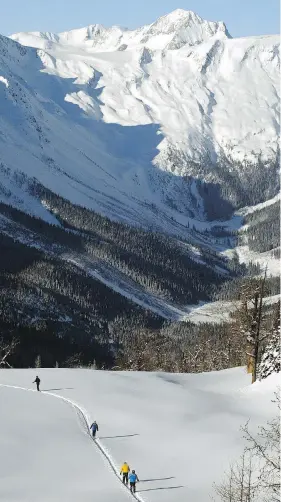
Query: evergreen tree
[[38, 361], [270, 362]]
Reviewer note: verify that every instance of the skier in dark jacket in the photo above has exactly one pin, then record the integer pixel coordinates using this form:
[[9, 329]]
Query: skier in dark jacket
[[133, 478], [94, 428], [37, 381]]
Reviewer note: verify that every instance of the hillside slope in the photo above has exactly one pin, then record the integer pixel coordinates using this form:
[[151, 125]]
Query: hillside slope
[[259, 237], [193, 426], [49, 457]]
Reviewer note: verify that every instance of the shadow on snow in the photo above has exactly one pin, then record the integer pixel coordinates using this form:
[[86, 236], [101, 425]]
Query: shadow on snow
[[113, 437], [156, 479], [162, 488], [63, 388]]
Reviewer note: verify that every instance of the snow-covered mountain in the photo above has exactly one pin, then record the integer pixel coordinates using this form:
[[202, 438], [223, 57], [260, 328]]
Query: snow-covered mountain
[[127, 122], [169, 127], [169, 32]]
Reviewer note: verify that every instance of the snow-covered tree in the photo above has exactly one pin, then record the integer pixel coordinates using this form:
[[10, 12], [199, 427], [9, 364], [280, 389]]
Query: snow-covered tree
[[271, 359], [250, 319], [38, 361]]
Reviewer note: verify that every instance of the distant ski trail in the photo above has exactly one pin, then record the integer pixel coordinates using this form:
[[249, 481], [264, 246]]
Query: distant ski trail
[[86, 422]]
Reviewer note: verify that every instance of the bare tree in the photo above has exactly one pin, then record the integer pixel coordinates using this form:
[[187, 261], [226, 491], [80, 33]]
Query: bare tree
[[240, 485], [146, 350], [6, 350], [265, 447], [256, 476]]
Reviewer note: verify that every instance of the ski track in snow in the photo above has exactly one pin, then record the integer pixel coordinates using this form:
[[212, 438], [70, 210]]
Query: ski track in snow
[[85, 419]]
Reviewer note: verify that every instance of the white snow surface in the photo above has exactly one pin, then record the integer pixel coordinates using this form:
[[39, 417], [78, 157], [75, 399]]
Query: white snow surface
[[110, 118], [219, 311], [192, 91], [252, 209], [266, 260], [46, 453], [170, 428]]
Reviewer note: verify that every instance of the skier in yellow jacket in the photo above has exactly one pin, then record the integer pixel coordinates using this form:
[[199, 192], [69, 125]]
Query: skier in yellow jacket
[[125, 469]]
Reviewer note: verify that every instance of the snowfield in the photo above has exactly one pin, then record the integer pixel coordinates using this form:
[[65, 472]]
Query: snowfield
[[46, 453], [191, 89], [266, 260], [219, 311], [179, 432]]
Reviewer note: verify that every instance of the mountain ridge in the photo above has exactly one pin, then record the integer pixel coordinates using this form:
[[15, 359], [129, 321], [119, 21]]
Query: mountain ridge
[[184, 27]]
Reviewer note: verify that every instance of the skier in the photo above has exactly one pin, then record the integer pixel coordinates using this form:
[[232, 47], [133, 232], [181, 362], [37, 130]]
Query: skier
[[94, 428], [37, 381], [133, 478], [125, 469]]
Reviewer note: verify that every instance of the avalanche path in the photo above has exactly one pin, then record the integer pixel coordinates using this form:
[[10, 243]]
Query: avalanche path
[[85, 425]]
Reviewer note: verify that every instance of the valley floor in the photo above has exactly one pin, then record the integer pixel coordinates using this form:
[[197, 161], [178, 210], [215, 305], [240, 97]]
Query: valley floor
[[219, 311], [179, 432]]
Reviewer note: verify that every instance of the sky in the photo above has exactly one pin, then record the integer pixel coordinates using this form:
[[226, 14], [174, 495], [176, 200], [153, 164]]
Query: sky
[[242, 17]]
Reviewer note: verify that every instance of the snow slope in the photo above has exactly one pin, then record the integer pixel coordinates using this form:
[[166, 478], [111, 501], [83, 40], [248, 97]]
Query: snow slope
[[267, 260], [219, 311], [192, 90], [46, 453], [121, 121], [171, 428], [252, 209]]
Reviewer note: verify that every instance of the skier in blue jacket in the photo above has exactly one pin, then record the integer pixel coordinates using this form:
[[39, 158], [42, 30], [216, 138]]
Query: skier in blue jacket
[[94, 428], [133, 478]]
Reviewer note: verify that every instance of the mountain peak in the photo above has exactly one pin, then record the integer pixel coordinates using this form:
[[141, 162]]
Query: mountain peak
[[185, 27], [176, 18], [181, 13]]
